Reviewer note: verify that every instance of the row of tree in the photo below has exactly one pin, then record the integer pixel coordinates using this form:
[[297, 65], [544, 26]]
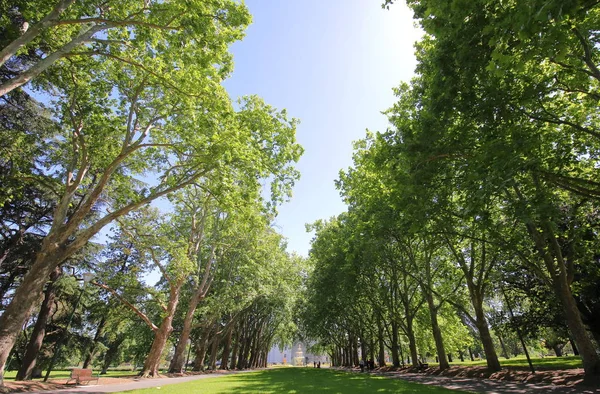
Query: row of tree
[[481, 199], [110, 110]]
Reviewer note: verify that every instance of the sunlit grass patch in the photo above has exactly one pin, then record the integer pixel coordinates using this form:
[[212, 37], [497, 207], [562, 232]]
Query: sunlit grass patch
[[297, 381]]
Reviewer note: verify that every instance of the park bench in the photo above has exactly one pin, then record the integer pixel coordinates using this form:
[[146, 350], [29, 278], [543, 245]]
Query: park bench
[[80, 376], [422, 366]]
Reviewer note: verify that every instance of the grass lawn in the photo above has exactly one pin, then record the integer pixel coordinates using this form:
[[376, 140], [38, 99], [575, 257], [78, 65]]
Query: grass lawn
[[296, 380]]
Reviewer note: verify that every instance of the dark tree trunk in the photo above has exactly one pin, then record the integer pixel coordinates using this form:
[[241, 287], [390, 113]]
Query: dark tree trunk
[[395, 355], [39, 330], [111, 353], [437, 332], [574, 347], [504, 352], [412, 342], [26, 297], [200, 354], [226, 350], [234, 352], [381, 347], [214, 349], [92, 350]]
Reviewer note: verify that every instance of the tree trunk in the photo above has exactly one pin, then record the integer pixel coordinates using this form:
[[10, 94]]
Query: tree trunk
[[234, 352], [587, 350], [227, 350], [200, 354], [178, 360], [26, 297], [111, 353], [212, 365], [395, 355], [152, 363], [437, 332], [381, 360], [504, 352], [39, 330], [491, 357], [574, 347], [412, 342], [90, 353]]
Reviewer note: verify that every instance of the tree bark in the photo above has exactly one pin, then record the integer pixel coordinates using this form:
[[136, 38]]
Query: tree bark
[[111, 353], [200, 354], [178, 360], [234, 352], [587, 350], [212, 365], [491, 357], [437, 332], [25, 298], [39, 330], [395, 355], [227, 350], [152, 363]]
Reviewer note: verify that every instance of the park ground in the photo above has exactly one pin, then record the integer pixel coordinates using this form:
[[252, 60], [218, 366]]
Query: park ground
[[557, 375]]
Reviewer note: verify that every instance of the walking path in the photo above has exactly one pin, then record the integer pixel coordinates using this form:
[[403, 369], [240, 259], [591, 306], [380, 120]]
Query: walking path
[[490, 386], [135, 384]]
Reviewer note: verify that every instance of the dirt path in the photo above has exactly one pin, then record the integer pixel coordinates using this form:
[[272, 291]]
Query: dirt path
[[113, 385], [490, 386]]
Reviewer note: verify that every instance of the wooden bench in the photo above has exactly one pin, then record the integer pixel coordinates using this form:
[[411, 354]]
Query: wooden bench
[[80, 376], [422, 366]]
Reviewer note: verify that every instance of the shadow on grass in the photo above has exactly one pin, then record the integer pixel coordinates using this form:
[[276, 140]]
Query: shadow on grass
[[310, 380]]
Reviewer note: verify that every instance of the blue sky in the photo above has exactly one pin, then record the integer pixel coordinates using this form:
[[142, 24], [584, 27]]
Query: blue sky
[[332, 64]]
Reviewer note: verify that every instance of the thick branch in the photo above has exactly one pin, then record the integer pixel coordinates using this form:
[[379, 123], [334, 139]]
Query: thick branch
[[128, 304]]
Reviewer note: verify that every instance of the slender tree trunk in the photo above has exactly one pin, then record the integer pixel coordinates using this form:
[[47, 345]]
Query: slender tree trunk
[[395, 355], [355, 360], [504, 352], [111, 353], [437, 332], [381, 359], [234, 352], [214, 349], [39, 330], [90, 353], [574, 347], [226, 350], [241, 350], [412, 343]]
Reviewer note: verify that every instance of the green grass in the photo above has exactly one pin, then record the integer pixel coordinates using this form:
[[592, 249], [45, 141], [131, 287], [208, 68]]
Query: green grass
[[65, 373], [296, 380], [546, 363]]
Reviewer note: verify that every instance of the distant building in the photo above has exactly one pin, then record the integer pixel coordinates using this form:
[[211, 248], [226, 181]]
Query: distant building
[[297, 356]]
